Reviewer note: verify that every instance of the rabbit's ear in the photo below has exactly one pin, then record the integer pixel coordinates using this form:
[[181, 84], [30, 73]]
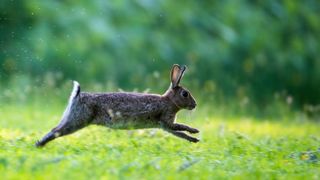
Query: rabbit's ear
[[176, 74]]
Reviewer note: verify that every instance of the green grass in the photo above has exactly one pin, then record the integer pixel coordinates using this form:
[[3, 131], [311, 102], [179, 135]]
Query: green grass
[[237, 148]]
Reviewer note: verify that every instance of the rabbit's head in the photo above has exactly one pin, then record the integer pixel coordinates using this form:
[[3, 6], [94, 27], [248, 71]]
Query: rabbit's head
[[179, 95]]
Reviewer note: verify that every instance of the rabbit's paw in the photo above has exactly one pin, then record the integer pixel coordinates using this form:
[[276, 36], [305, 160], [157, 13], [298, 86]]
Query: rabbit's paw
[[193, 130], [194, 140]]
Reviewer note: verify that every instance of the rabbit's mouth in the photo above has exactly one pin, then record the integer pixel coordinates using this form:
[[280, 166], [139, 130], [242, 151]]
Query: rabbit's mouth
[[191, 107]]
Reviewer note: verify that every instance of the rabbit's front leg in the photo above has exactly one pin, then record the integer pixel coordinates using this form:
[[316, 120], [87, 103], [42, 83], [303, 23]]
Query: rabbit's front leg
[[184, 136], [172, 128], [182, 127]]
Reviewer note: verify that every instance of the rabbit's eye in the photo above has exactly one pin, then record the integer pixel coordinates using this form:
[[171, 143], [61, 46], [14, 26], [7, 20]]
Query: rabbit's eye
[[185, 94]]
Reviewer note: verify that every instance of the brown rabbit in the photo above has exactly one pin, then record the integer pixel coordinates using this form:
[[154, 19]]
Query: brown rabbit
[[127, 110]]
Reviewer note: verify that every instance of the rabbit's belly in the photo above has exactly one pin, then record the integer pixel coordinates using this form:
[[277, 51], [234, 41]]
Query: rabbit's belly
[[133, 123], [129, 118]]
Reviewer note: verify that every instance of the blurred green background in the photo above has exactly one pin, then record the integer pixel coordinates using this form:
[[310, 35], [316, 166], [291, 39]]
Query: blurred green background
[[254, 58]]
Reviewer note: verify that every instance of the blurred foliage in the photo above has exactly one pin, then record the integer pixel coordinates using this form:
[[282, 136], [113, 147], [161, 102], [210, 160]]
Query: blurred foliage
[[252, 51]]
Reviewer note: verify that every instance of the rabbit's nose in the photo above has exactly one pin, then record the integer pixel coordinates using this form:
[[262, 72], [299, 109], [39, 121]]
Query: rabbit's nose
[[193, 105]]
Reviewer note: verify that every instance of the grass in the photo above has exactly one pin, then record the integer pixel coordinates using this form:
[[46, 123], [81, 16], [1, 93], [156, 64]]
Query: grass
[[230, 147]]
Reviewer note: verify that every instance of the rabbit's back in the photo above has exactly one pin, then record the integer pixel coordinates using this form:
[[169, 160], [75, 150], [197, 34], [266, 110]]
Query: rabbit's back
[[127, 110]]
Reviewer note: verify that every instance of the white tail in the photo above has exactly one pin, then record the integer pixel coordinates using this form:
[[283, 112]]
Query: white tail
[[75, 91]]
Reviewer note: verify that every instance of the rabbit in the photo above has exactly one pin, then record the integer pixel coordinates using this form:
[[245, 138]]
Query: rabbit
[[122, 110]]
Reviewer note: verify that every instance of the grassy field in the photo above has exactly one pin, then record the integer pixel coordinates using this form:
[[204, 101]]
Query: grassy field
[[237, 148]]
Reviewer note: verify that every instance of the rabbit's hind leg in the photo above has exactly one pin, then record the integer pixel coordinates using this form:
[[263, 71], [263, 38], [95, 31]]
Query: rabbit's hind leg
[[71, 122], [48, 137], [59, 131], [77, 115]]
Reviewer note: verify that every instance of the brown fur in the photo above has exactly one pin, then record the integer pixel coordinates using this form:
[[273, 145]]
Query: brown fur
[[127, 110]]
